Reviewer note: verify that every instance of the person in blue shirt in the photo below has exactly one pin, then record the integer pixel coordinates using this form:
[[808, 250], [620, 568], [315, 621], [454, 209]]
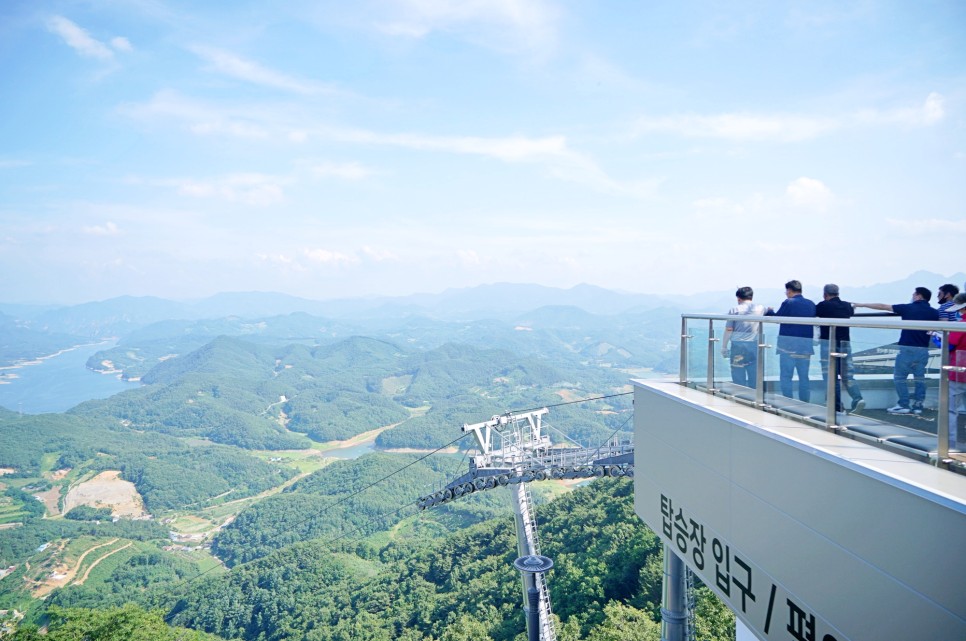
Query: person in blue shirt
[[913, 353], [795, 344]]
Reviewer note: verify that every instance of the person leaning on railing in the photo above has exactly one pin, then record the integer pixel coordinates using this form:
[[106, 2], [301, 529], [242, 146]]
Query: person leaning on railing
[[743, 336], [913, 349], [957, 380], [831, 306]]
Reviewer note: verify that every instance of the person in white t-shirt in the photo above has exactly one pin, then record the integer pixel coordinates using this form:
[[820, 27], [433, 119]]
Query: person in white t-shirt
[[743, 338]]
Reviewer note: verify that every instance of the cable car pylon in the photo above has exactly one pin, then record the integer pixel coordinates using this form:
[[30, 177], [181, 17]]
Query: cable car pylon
[[514, 451]]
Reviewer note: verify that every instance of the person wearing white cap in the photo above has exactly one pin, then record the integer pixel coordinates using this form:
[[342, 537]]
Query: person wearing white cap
[[957, 380]]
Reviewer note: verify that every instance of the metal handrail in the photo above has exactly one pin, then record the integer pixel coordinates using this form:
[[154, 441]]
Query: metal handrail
[[855, 321], [870, 321]]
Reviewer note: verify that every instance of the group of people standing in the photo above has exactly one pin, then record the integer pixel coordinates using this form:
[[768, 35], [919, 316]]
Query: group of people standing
[[795, 344]]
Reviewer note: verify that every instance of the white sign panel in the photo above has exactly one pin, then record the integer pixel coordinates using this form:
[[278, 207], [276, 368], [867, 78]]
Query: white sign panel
[[762, 603]]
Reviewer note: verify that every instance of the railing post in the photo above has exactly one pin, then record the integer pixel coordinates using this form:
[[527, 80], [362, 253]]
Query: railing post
[[683, 368], [760, 367], [711, 341], [831, 371], [942, 421]]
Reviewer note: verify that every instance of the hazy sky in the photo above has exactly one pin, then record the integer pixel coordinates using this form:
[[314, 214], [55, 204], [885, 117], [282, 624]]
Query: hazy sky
[[330, 149]]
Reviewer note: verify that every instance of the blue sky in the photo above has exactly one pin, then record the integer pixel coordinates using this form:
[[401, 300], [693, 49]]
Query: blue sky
[[333, 149]]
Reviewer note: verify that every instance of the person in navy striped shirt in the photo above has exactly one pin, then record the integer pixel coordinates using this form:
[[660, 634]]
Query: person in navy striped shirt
[[945, 298]]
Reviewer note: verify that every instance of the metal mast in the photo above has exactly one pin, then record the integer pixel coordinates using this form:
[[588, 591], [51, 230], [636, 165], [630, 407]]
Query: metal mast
[[514, 450]]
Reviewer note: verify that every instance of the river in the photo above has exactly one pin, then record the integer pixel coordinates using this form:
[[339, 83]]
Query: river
[[57, 383]]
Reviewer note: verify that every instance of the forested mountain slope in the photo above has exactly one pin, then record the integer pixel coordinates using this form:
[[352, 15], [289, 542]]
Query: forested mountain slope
[[606, 578], [226, 445], [257, 396]]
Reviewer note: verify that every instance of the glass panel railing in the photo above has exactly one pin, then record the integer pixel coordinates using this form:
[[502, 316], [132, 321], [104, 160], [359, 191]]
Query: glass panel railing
[[739, 356], [722, 361], [899, 386], [769, 356], [694, 350], [868, 384]]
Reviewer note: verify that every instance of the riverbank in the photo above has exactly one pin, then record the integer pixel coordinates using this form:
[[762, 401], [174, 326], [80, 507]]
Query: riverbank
[[58, 381]]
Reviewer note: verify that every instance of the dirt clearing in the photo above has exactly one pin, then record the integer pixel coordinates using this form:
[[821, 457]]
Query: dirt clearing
[[107, 489]]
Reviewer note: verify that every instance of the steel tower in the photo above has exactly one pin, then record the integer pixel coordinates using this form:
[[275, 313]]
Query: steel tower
[[515, 450]]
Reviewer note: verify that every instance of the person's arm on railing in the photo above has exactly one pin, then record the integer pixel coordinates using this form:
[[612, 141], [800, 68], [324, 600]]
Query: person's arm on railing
[[881, 306]]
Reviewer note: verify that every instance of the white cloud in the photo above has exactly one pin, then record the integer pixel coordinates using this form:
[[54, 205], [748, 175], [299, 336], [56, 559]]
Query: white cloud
[[234, 66], [121, 43], [108, 229], [504, 25], [248, 188], [741, 127], [378, 255], [469, 257], [812, 15], [279, 259], [552, 152], [345, 171], [928, 226], [930, 112], [510, 149], [933, 110], [328, 257], [235, 129], [253, 122], [718, 208], [718, 205], [82, 42], [201, 118], [808, 192]]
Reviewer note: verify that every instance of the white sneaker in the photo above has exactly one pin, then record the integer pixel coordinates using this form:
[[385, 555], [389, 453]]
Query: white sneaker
[[899, 409]]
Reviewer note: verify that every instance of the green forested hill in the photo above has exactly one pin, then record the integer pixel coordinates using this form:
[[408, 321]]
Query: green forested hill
[[167, 472], [230, 408], [261, 397], [330, 502], [140, 350], [272, 397], [555, 334], [128, 623], [606, 578], [20, 342], [441, 424]]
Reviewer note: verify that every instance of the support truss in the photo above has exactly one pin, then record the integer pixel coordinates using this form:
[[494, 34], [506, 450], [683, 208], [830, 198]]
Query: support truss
[[515, 450]]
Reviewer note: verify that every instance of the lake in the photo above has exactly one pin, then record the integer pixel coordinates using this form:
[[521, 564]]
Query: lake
[[58, 383], [353, 451]]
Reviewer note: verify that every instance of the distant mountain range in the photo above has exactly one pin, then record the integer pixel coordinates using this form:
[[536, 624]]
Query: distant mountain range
[[499, 301]]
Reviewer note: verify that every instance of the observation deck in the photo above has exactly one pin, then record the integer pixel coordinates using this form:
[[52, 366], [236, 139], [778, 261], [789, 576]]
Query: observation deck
[[810, 523]]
